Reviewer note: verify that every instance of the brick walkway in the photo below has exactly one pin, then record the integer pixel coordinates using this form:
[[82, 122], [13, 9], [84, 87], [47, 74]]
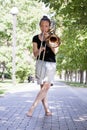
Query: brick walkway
[[69, 107]]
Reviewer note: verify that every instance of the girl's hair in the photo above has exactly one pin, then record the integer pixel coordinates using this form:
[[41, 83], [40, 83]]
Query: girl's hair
[[45, 18]]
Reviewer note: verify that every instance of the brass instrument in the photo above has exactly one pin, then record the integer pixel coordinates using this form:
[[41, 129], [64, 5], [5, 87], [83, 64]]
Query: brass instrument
[[52, 40]]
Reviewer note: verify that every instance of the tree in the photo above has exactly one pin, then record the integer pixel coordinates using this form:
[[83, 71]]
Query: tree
[[71, 17], [28, 18]]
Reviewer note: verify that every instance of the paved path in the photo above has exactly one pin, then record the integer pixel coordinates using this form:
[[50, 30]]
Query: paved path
[[69, 107]]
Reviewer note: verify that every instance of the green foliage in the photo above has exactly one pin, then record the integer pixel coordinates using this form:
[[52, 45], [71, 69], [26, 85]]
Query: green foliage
[[74, 11], [28, 18], [71, 26], [23, 69], [71, 17], [1, 92], [21, 74], [76, 84]]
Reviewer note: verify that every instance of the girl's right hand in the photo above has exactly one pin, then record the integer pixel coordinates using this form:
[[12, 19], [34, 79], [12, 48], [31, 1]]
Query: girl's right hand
[[42, 49]]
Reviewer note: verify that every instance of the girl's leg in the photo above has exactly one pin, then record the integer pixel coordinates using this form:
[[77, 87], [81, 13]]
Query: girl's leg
[[45, 104], [40, 96]]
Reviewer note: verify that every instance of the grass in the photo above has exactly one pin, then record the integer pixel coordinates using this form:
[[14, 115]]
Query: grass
[[2, 91], [77, 84], [2, 83], [6, 81]]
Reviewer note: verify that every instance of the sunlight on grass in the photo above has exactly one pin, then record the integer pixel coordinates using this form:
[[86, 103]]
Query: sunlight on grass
[[76, 84], [1, 90], [6, 81], [2, 84]]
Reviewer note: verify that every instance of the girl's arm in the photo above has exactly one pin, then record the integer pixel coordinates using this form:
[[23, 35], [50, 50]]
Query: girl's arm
[[37, 51], [55, 50]]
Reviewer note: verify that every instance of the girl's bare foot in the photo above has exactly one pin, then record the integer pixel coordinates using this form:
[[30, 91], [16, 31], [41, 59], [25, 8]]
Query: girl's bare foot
[[48, 113], [30, 112]]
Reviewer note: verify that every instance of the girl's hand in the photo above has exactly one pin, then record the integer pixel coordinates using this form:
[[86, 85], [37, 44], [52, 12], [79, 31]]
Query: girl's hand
[[42, 49]]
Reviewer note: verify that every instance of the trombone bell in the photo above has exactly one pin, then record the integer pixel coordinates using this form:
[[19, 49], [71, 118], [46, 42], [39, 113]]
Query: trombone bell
[[53, 41]]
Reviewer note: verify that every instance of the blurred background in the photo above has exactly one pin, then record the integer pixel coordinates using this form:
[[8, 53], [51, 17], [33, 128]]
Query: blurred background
[[17, 62]]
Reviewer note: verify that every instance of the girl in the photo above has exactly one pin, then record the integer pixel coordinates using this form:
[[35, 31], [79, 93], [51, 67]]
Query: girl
[[47, 66]]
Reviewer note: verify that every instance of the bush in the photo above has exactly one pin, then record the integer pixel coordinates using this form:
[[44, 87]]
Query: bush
[[21, 75], [6, 75], [23, 71]]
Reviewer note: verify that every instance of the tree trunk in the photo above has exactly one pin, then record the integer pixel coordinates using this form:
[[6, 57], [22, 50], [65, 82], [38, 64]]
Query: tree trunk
[[86, 77], [81, 76], [75, 76], [71, 76]]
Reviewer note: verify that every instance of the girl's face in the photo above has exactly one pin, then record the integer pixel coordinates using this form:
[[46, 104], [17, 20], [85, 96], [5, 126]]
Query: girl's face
[[44, 26]]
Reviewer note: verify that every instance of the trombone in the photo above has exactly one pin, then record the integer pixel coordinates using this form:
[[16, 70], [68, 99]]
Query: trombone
[[52, 40]]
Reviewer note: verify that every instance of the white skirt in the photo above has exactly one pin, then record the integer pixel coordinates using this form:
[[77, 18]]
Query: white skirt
[[45, 71]]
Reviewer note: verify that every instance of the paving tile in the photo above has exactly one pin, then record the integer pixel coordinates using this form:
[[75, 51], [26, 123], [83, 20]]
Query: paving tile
[[68, 108]]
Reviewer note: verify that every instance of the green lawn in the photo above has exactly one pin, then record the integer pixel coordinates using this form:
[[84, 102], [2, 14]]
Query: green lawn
[[2, 83], [6, 81], [2, 91], [76, 84]]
